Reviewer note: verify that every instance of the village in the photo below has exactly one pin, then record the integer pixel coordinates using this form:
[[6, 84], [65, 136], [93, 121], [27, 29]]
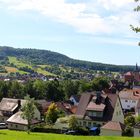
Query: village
[[114, 111]]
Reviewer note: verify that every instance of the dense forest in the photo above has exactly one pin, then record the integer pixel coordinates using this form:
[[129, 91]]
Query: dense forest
[[42, 57]]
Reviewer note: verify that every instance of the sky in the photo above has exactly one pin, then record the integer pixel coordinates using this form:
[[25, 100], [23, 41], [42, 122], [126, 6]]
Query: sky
[[92, 30]]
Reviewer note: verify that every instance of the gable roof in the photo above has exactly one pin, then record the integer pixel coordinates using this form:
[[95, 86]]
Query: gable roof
[[110, 103], [113, 126], [8, 104], [17, 118], [84, 100]]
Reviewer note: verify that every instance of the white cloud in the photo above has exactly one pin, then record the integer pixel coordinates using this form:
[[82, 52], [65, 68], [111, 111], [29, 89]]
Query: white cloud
[[76, 15]]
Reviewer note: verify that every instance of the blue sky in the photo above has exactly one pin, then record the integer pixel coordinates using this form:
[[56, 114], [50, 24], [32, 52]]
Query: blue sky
[[93, 30]]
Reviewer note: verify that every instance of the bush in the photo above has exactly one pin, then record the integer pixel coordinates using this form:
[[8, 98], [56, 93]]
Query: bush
[[128, 131], [47, 130], [83, 131]]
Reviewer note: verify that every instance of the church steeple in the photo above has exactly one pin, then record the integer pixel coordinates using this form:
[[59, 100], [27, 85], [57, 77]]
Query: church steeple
[[137, 69]]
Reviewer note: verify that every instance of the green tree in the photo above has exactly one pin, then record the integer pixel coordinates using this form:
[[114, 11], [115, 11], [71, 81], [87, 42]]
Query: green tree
[[52, 114], [137, 9], [100, 83], [130, 121], [54, 91], [73, 123], [70, 88], [39, 89], [16, 90], [28, 110]]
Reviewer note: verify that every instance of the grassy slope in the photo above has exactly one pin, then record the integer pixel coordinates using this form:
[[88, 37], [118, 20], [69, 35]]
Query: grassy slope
[[16, 135], [23, 64]]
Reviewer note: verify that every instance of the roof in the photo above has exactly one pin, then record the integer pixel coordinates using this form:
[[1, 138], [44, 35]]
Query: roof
[[84, 100], [96, 107], [73, 109], [8, 104], [128, 73], [113, 126], [130, 94], [110, 103], [17, 118]]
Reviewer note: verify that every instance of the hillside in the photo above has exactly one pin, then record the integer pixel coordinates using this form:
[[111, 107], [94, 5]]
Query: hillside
[[42, 61]]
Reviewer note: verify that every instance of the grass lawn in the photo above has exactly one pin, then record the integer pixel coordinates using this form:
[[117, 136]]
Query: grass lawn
[[18, 135]]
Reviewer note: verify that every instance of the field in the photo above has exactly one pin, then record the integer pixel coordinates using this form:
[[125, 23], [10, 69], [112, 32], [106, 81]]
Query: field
[[16, 135], [19, 64]]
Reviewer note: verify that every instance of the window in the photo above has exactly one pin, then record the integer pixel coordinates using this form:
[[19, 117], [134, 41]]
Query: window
[[117, 113], [80, 123], [128, 106], [89, 124], [133, 101], [84, 123], [139, 131], [16, 126], [126, 100]]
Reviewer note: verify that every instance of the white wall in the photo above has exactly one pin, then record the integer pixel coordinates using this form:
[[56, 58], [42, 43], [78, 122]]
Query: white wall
[[136, 132], [118, 115], [107, 132], [128, 104]]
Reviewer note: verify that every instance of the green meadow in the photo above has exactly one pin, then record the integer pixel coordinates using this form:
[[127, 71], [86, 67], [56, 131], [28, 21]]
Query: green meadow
[[19, 135]]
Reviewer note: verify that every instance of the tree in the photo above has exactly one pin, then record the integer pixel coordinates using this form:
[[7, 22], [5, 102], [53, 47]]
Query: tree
[[129, 121], [28, 111], [52, 114], [73, 123], [54, 91], [100, 83], [137, 9], [70, 88]]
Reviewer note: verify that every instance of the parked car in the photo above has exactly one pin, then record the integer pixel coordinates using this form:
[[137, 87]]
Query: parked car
[[71, 132], [3, 125]]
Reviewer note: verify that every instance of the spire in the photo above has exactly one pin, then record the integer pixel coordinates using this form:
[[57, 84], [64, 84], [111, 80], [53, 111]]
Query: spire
[[137, 69]]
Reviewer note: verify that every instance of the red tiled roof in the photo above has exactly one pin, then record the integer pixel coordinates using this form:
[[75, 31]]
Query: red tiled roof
[[130, 94], [128, 74], [113, 126]]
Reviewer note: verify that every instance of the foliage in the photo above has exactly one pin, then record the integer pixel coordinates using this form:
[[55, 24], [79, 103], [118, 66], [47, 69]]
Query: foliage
[[137, 9], [42, 57], [100, 83], [130, 121], [52, 114], [28, 111], [128, 131], [73, 122]]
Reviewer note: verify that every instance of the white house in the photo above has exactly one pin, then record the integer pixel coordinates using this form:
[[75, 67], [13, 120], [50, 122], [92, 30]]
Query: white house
[[129, 99], [96, 109], [137, 130]]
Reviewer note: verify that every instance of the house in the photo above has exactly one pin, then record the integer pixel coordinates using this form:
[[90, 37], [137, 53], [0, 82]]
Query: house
[[129, 99], [137, 130], [8, 107], [17, 122], [97, 108], [75, 99], [132, 76], [137, 108], [112, 128]]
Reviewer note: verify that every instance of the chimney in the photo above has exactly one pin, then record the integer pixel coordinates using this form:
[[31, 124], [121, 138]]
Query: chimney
[[19, 103]]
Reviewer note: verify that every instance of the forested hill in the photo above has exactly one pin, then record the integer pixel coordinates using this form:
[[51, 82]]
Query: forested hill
[[42, 57]]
